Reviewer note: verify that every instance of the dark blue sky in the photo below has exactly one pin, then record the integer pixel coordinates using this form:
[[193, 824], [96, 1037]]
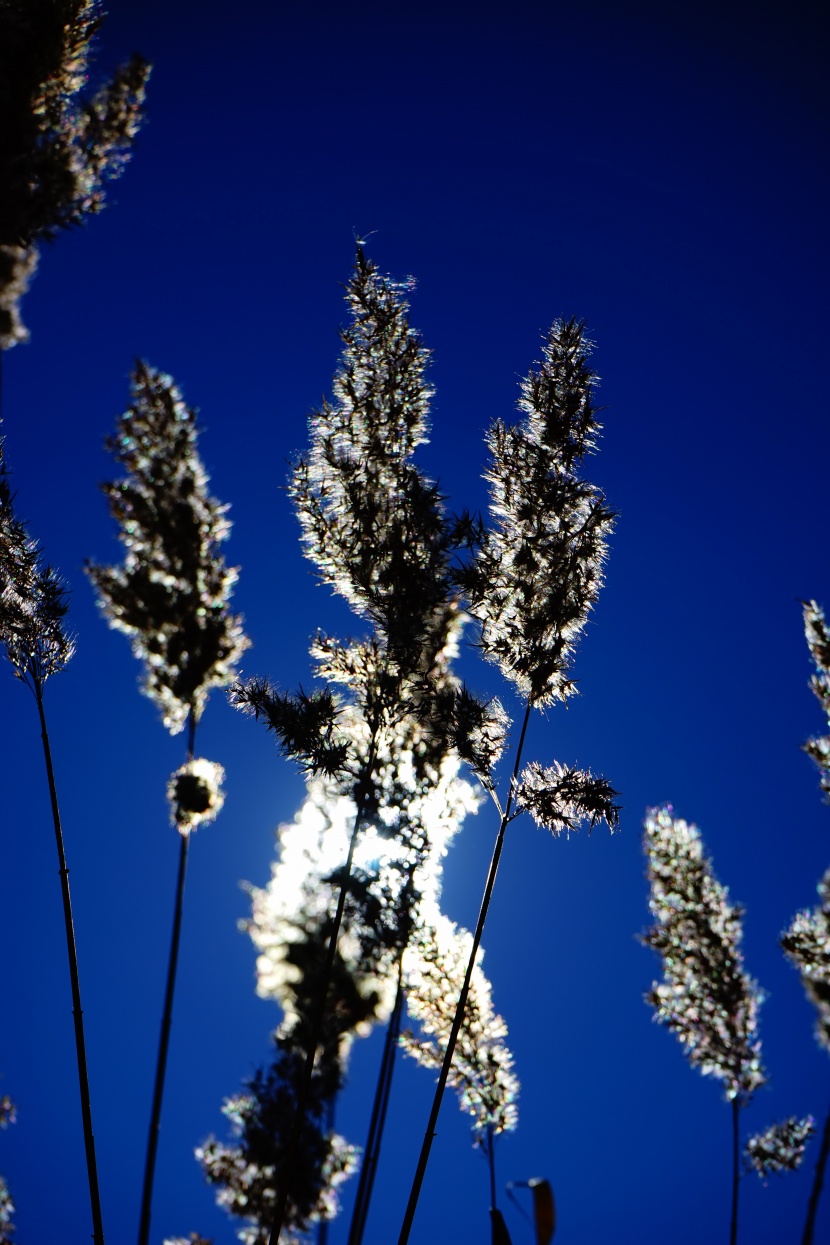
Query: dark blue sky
[[661, 174]]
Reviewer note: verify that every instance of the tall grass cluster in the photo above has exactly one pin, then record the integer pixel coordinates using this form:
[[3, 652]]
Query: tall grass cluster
[[395, 750]]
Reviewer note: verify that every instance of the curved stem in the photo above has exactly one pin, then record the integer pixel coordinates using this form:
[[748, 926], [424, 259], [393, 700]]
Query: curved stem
[[301, 1107], [384, 1106], [818, 1184], [166, 1025], [323, 1224], [164, 1044], [368, 1168], [420, 1172], [736, 1173], [77, 1012]]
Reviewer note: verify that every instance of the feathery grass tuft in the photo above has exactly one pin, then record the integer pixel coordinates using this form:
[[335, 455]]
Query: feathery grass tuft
[[171, 596], [57, 149]]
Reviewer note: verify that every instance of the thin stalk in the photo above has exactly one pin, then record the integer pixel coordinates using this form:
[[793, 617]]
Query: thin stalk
[[818, 1184], [166, 1024], [736, 1172], [498, 1228], [384, 1106], [317, 1027], [77, 1011], [323, 1224], [377, 1120], [491, 1162], [420, 1172]]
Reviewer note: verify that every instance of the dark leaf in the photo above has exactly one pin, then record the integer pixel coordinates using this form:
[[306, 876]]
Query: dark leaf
[[544, 1210], [498, 1228]]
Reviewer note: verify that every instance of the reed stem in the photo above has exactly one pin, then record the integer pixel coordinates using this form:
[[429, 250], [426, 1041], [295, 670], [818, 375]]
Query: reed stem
[[77, 1011], [377, 1120], [166, 1024], [818, 1184], [736, 1172], [429, 1135]]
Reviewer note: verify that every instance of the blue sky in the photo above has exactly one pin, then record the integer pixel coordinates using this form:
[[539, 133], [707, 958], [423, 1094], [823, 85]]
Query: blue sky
[[658, 173]]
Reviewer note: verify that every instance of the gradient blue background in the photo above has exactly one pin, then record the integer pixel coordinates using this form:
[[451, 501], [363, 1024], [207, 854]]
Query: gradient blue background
[[659, 170]]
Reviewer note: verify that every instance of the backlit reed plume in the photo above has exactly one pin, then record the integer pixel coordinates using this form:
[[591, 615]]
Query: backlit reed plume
[[807, 944], [415, 804], [482, 1068], [779, 1148], [538, 570], [33, 607], [6, 1214], [375, 528], [246, 1169], [807, 940], [171, 597], [705, 997], [818, 641], [33, 600], [195, 795], [535, 576], [372, 523], [291, 925], [7, 1116], [57, 148], [395, 866], [172, 594]]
